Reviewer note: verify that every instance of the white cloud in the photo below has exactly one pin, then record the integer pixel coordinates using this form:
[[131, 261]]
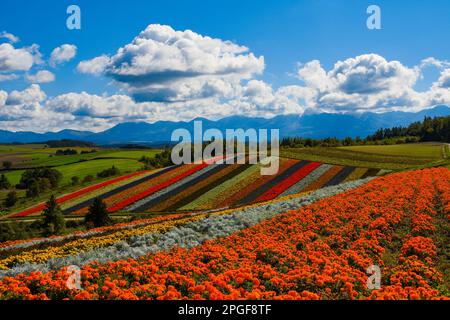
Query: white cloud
[[42, 76], [431, 61], [444, 80], [9, 36], [364, 83], [3, 97], [63, 53], [162, 64], [94, 66], [12, 59], [8, 77], [31, 95]]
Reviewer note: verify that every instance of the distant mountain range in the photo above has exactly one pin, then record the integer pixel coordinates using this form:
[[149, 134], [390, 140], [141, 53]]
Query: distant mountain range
[[320, 125]]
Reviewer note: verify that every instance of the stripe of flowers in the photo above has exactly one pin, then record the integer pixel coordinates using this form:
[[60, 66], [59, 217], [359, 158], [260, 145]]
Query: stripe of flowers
[[168, 202], [177, 187], [88, 202], [256, 181], [214, 198], [356, 174], [186, 202], [56, 240], [124, 194], [180, 186], [144, 194], [340, 176], [323, 179], [104, 189], [72, 195], [370, 173], [229, 195], [211, 198], [251, 197], [212, 164], [288, 182], [187, 236], [193, 187], [306, 180]]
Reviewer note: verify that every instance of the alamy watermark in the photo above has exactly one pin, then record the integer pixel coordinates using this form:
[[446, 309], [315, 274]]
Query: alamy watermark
[[212, 146], [374, 279], [73, 22], [374, 20], [74, 280]]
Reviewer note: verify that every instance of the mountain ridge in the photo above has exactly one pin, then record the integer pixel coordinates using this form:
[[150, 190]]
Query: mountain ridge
[[310, 125]]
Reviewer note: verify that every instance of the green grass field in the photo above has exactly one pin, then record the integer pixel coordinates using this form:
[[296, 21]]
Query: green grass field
[[84, 168], [415, 150], [80, 165], [390, 157], [30, 156]]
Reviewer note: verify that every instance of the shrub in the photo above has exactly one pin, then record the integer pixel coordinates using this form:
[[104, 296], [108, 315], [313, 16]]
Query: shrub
[[88, 178], [7, 164], [53, 218], [98, 215], [108, 172], [11, 199], [4, 183], [75, 180]]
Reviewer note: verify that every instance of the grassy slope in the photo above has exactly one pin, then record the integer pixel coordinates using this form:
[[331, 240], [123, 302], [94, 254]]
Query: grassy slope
[[79, 165], [70, 165], [391, 157], [426, 151]]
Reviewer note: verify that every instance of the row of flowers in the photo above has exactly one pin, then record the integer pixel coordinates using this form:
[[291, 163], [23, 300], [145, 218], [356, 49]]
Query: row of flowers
[[89, 241], [78, 193], [283, 185], [176, 199], [147, 240], [320, 251]]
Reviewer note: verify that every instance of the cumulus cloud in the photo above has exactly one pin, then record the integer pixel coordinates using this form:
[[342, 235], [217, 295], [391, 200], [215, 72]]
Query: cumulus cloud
[[9, 36], [444, 80], [94, 66], [431, 61], [164, 74], [42, 76], [12, 59], [7, 77], [364, 83], [162, 64], [30, 95], [3, 97], [63, 53]]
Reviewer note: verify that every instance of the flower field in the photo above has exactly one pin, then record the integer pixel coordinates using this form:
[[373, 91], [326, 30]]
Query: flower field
[[313, 245], [206, 186]]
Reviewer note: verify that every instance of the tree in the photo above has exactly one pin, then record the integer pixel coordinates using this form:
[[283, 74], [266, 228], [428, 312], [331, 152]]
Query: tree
[[98, 215], [108, 172], [11, 199], [75, 180], [53, 218], [33, 189], [4, 183], [7, 164], [88, 178]]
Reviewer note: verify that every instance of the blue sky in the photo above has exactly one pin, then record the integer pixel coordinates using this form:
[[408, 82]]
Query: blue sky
[[285, 33]]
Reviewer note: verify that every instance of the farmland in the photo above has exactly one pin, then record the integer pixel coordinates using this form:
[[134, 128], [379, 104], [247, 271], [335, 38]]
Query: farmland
[[197, 187], [224, 231], [87, 162], [389, 157], [309, 246]]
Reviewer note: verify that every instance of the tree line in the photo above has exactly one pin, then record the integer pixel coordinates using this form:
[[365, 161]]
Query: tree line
[[430, 129]]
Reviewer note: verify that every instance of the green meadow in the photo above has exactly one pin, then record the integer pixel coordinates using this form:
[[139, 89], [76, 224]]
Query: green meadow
[[390, 157]]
